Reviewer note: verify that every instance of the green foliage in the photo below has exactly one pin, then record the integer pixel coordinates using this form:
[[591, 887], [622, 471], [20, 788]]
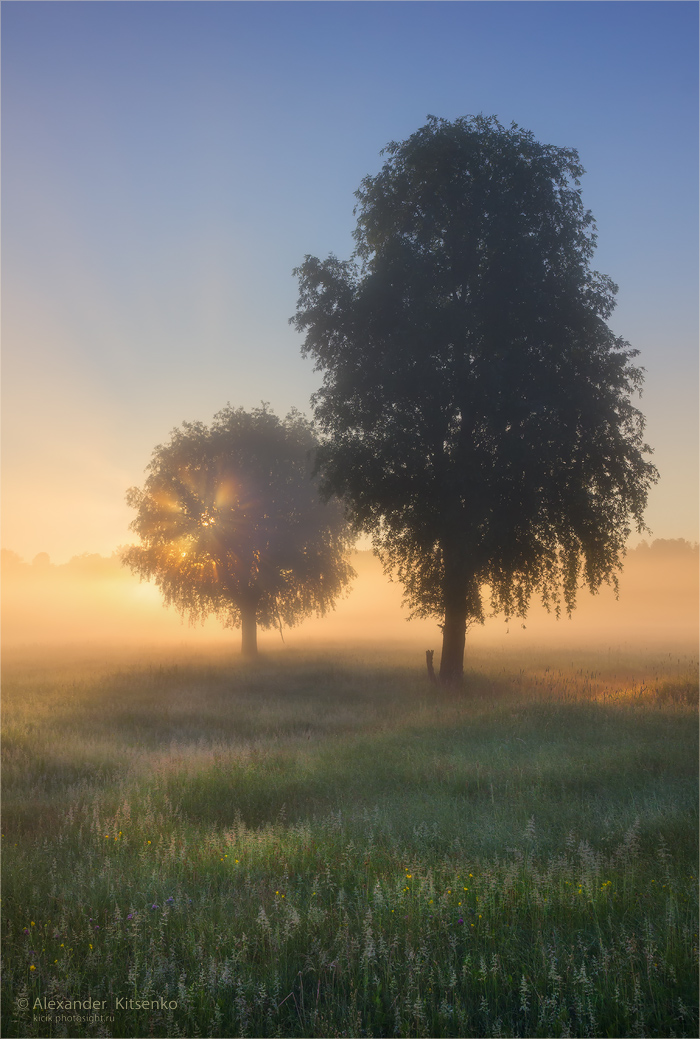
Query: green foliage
[[231, 522], [476, 406]]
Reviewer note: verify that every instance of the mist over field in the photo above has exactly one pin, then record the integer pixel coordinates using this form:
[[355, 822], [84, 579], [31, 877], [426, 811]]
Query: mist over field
[[93, 599], [321, 842]]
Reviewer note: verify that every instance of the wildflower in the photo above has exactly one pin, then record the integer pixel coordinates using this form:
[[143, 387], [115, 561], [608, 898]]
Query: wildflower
[[91, 946], [155, 906], [97, 927], [460, 921], [171, 899], [62, 945], [25, 931], [32, 967], [130, 916], [32, 923], [148, 842]]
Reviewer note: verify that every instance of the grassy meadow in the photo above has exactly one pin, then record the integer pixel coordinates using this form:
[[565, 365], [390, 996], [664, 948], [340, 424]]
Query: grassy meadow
[[324, 845]]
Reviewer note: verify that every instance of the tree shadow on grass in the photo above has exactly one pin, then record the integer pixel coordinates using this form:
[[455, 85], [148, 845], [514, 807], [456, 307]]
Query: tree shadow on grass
[[269, 743]]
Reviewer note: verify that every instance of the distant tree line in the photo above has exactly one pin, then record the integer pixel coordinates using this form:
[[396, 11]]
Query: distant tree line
[[90, 566]]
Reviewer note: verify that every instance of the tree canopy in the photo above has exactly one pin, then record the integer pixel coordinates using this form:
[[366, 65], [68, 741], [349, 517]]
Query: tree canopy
[[476, 407], [231, 523]]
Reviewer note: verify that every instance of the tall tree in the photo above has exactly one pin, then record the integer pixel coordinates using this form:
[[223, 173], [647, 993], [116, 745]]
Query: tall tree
[[231, 523], [476, 406]]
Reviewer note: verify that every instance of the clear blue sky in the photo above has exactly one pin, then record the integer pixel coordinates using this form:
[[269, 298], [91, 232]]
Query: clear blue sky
[[166, 165]]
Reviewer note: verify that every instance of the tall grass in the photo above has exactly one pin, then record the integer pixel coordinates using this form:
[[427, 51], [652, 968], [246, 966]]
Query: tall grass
[[327, 846]]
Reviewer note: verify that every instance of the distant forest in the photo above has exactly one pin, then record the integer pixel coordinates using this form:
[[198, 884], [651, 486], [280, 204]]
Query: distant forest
[[92, 565]]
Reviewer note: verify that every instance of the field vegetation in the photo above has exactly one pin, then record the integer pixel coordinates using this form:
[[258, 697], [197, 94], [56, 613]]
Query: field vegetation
[[322, 844]]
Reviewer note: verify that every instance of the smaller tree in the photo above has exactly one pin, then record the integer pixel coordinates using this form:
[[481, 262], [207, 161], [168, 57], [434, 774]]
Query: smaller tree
[[231, 524]]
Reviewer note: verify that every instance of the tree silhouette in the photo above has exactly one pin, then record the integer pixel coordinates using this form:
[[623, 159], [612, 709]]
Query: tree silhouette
[[476, 406], [231, 523]]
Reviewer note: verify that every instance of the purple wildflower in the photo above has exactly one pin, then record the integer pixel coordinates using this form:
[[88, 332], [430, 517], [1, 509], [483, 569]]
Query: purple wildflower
[[130, 916], [460, 921]]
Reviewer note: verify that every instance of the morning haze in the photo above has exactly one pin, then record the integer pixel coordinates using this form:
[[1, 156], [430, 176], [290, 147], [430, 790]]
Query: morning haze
[[94, 600], [239, 798]]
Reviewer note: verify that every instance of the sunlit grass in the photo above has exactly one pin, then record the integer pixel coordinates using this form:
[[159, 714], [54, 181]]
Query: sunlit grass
[[327, 846]]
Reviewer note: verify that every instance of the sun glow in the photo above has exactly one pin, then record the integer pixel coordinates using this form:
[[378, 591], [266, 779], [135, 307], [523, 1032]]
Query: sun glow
[[226, 494], [167, 502], [96, 598]]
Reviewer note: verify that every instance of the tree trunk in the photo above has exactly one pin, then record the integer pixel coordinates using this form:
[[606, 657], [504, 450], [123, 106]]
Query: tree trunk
[[249, 632], [454, 633], [462, 600]]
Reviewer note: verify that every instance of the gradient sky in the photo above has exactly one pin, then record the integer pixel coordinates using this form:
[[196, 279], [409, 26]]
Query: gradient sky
[[166, 165]]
